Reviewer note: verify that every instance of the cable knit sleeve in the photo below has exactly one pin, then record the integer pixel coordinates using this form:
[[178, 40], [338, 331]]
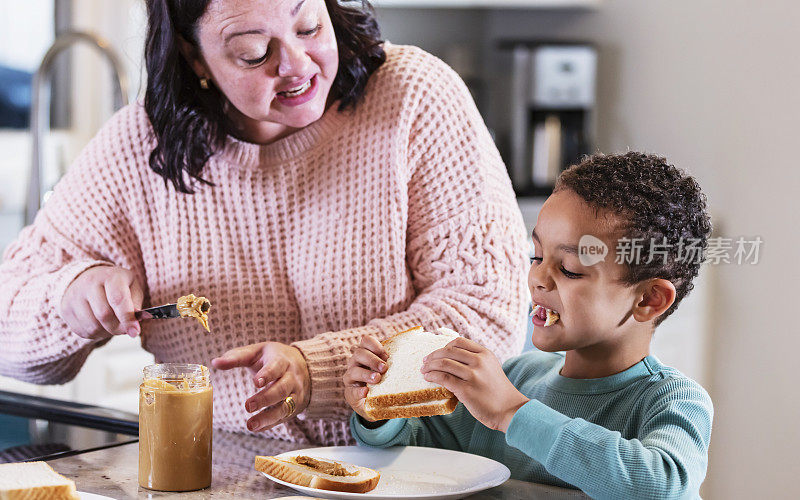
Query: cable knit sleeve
[[465, 250], [82, 225]]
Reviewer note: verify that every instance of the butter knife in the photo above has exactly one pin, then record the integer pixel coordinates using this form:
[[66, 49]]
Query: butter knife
[[166, 311]]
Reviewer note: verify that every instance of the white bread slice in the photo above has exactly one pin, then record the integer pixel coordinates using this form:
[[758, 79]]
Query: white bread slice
[[403, 383], [34, 481], [427, 409], [358, 480]]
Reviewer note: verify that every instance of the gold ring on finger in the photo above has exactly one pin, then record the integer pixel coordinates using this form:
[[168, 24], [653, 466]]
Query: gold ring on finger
[[290, 406]]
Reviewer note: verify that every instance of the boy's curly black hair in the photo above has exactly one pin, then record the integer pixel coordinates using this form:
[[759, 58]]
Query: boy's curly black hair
[[655, 202]]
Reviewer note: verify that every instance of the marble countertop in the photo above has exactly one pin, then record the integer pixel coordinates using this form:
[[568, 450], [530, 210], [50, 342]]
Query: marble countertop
[[113, 472]]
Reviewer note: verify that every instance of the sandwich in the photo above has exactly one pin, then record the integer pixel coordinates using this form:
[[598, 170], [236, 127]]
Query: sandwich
[[403, 392], [34, 480], [319, 473]]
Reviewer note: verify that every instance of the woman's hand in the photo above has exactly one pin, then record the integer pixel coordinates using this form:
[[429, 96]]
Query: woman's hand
[[280, 371], [477, 379], [366, 365], [100, 302]]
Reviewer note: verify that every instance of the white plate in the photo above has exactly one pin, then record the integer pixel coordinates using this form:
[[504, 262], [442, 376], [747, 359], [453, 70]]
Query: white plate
[[410, 472], [92, 496]]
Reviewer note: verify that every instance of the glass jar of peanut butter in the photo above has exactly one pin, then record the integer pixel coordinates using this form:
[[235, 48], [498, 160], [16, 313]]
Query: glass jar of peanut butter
[[175, 412]]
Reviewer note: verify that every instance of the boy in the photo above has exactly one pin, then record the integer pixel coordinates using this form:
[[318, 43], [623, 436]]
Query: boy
[[605, 417]]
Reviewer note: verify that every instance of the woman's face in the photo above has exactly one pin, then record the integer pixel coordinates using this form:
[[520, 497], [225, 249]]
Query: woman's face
[[274, 60]]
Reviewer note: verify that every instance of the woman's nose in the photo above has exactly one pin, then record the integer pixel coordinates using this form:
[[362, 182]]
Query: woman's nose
[[292, 60]]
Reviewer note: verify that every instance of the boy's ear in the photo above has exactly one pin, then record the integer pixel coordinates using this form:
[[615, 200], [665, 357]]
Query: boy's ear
[[654, 298], [192, 55]]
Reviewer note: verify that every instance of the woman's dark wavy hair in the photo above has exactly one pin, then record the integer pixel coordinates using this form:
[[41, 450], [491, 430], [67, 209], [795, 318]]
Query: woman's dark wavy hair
[[189, 123]]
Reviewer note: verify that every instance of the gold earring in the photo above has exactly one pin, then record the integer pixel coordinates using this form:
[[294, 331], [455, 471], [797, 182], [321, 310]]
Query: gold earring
[[204, 83]]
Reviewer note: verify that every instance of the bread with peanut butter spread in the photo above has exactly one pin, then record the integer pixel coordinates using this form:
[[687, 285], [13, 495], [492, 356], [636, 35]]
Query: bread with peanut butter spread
[[319, 473]]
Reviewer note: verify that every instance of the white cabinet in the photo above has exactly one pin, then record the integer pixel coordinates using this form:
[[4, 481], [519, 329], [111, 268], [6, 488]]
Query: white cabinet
[[111, 375], [110, 378]]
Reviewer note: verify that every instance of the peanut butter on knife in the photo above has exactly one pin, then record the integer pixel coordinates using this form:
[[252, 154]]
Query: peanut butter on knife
[[194, 307]]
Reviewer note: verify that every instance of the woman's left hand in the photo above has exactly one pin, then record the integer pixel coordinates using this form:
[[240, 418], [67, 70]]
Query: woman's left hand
[[280, 371]]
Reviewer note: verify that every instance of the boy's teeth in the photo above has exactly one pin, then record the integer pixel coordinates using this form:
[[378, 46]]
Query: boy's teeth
[[551, 315]]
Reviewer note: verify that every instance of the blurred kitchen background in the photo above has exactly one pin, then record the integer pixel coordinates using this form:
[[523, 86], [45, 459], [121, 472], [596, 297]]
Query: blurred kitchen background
[[711, 84]]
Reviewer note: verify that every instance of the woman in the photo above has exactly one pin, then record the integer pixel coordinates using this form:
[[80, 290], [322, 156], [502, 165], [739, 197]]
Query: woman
[[315, 184]]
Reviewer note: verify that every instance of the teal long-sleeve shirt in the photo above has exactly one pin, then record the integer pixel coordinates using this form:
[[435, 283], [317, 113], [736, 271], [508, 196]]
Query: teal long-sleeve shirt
[[641, 433]]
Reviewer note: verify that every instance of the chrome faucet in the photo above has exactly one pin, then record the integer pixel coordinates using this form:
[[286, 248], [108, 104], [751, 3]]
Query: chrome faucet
[[40, 105]]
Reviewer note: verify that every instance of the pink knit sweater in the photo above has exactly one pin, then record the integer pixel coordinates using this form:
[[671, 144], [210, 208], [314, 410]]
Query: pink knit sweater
[[367, 222]]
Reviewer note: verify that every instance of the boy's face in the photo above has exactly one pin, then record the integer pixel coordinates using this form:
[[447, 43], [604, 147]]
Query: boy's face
[[593, 304]]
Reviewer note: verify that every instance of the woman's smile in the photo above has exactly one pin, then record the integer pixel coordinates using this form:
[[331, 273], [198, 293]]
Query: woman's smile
[[300, 94]]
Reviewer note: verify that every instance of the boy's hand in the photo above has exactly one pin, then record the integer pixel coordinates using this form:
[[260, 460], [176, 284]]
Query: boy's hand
[[476, 377], [365, 365]]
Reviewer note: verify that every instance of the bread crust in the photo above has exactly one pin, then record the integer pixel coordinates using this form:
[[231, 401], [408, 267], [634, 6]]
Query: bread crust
[[410, 397], [60, 491], [389, 339], [280, 469], [413, 411]]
